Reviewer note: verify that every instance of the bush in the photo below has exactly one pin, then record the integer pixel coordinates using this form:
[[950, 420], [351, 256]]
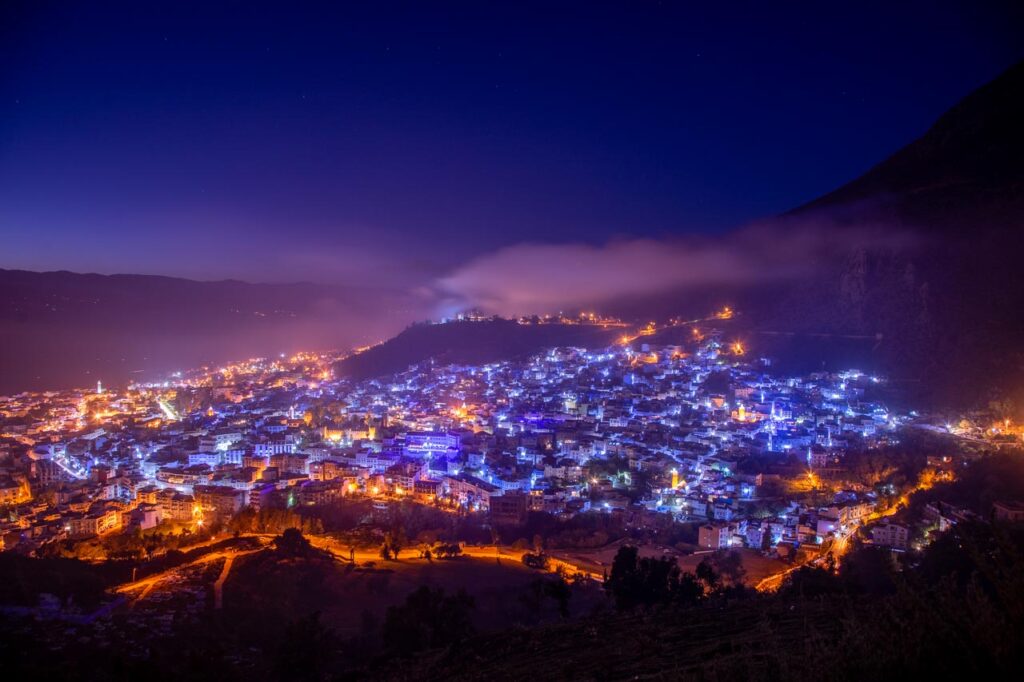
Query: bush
[[447, 550], [536, 560]]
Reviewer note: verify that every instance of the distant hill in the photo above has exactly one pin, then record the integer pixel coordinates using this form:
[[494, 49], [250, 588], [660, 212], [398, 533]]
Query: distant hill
[[469, 343], [60, 329], [151, 300]]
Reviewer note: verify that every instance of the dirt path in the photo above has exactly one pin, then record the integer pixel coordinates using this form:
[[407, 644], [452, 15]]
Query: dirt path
[[218, 587]]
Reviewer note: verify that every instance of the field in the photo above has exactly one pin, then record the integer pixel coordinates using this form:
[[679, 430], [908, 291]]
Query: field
[[352, 598]]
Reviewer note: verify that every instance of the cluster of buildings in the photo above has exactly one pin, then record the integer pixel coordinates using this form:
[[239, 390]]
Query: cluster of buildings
[[635, 429]]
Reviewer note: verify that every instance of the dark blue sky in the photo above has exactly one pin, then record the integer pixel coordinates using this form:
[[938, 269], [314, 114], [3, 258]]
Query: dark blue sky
[[389, 144]]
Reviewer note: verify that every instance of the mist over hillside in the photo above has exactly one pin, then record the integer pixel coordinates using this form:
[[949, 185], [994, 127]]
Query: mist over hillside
[[893, 272]]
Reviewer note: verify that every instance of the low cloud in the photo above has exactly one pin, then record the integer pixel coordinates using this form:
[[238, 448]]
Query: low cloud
[[528, 278]]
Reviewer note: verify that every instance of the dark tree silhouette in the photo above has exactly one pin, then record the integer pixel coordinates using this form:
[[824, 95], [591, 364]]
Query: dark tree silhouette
[[292, 543]]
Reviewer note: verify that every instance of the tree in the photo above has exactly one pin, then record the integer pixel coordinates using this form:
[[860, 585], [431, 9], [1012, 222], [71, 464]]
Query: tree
[[810, 581], [292, 543], [636, 581], [559, 591], [396, 539], [729, 565], [448, 550], [621, 583], [868, 569], [707, 576], [689, 591]]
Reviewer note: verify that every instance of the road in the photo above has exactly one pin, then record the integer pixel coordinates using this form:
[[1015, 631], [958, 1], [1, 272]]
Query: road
[[146, 585], [652, 328], [218, 587], [840, 544], [138, 590], [343, 552]]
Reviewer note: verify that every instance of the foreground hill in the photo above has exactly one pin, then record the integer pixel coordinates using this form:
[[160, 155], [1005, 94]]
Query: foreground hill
[[469, 343], [742, 641]]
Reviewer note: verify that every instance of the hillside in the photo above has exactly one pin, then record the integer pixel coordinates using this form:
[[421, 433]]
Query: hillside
[[939, 314], [469, 343], [749, 641]]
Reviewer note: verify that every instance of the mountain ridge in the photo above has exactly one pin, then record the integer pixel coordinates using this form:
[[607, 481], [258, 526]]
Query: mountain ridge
[[968, 159]]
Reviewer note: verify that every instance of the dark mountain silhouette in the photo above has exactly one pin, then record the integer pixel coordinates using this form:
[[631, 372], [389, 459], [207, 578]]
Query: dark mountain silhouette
[[966, 172], [940, 315], [469, 343], [936, 309]]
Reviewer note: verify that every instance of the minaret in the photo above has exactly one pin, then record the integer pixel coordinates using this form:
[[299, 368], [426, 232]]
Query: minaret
[[99, 388]]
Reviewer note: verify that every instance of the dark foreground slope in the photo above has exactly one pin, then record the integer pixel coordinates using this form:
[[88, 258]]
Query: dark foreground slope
[[953, 612], [737, 642], [470, 343]]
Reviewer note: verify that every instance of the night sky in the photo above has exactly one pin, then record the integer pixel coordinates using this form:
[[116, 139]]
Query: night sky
[[391, 145]]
